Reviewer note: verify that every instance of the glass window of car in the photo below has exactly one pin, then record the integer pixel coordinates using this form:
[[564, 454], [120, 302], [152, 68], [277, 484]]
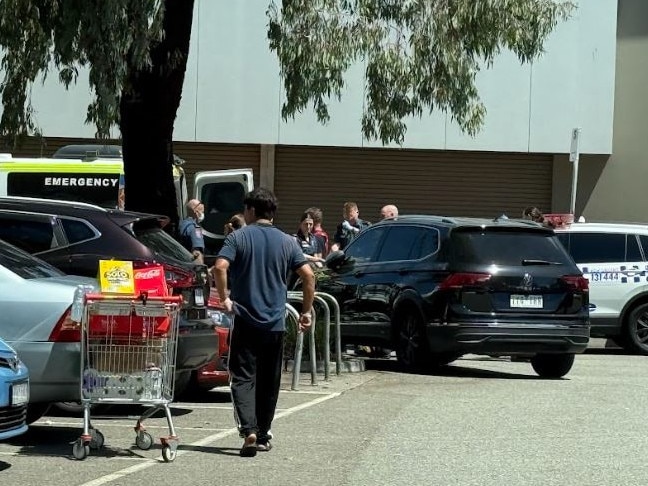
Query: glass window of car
[[427, 244], [501, 247], [148, 233], [76, 230], [365, 247], [33, 235], [633, 253], [644, 244], [408, 243], [597, 247], [25, 265]]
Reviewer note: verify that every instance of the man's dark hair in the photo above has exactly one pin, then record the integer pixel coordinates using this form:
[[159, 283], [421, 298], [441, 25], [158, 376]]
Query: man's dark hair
[[263, 201]]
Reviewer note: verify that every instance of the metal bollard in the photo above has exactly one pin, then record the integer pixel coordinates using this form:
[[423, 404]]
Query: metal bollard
[[338, 332], [299, 347]]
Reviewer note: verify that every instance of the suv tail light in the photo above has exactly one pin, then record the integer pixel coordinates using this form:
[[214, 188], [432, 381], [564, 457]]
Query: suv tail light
[[576, 282], [459, 280], [178, 277], [66, 330]]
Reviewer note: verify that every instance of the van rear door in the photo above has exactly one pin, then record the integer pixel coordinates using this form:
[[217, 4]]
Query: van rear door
[[222, 192]]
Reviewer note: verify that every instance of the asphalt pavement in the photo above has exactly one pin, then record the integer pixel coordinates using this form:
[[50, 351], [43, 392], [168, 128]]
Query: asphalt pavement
[[483, 421]]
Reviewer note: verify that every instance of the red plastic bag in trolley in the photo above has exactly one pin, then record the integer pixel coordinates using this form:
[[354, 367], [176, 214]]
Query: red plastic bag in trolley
[[129, 327]]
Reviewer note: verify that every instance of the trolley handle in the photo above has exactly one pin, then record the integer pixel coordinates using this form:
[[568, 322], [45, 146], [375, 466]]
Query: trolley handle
[[143, 297]]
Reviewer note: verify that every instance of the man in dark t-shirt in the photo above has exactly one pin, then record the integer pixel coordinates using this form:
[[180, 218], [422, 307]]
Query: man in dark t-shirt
[[259, 258]]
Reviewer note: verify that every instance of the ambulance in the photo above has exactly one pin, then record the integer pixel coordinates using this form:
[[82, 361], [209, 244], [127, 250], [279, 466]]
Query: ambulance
[[95, 174]]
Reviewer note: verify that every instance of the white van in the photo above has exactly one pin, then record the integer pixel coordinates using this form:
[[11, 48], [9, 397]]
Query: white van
[[95, 174]]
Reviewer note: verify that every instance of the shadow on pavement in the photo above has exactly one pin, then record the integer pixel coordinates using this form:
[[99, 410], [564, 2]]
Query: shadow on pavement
[[452, 370], [223, 451], [48, 440], [215, 395], [4, 466], [119, 412]]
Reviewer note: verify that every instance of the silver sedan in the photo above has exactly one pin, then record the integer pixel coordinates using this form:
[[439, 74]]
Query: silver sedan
[[35, 310]]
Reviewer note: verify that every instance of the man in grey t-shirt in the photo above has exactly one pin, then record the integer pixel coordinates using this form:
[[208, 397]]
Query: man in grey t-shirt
[[258, 258]]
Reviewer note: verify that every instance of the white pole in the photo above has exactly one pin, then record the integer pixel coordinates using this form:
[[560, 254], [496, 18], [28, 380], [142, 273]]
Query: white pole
[[573, 157]]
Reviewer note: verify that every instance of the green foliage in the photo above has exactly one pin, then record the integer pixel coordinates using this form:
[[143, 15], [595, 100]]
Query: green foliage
[[109, 37], [418, 54]]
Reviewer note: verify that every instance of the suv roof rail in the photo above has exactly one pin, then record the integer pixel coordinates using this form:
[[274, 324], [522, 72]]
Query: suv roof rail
[[61, 202]]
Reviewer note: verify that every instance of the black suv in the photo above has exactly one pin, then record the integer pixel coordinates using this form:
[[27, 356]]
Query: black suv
[[435, 288], [74, 236]]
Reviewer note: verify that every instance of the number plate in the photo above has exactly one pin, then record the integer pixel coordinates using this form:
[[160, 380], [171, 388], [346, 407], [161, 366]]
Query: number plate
[[199, 297], [20, 393], [526, 301]]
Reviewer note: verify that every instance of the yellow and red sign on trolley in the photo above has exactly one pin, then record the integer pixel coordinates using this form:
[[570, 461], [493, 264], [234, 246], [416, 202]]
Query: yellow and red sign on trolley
[[116, 277]]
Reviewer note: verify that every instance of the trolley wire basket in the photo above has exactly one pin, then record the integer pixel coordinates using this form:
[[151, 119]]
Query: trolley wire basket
[[128, 356]]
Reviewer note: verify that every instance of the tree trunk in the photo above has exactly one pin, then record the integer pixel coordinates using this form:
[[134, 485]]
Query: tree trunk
[[147, 114]]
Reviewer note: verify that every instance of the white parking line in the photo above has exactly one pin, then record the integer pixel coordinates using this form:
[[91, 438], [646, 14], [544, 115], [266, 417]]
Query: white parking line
[[108, 478]]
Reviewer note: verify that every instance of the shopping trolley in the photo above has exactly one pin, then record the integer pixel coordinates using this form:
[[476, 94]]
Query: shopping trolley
[[128, 356]]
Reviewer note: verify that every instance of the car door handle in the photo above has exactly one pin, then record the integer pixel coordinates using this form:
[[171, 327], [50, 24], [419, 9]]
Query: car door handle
[[403, 272], [358, 274]]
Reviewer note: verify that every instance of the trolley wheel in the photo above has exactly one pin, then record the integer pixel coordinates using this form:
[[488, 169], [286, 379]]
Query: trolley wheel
[[98, 439], [169, 453], [143, 440], [80, 450]]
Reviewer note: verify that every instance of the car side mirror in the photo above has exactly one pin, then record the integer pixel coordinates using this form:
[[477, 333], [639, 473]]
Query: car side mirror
[[335, 259]]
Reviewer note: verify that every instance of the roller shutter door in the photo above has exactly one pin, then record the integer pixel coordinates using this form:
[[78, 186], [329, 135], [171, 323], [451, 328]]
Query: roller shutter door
[[197, 156], [418, 181]]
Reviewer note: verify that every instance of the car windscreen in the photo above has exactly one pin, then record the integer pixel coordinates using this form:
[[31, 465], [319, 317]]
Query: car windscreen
[[501, 247], [25, 265], [160, 242]]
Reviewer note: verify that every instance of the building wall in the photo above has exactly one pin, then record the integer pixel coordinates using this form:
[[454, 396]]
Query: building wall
[[233, 93], [615, 190]]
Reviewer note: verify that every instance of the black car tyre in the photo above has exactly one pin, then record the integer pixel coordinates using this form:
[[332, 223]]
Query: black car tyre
[[412, 350], [552, 365], [36, 411], [635, 338]]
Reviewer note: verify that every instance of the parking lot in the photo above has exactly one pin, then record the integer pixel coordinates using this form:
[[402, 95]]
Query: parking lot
[[380, 427]]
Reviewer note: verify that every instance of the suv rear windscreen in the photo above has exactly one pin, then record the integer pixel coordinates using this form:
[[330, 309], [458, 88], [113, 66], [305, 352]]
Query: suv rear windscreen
[[161, 243], [500, 247]]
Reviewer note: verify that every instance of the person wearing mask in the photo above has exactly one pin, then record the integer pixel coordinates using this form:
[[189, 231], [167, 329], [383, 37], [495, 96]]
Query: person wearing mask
[[258, 258], [349, 228], [191, 234]]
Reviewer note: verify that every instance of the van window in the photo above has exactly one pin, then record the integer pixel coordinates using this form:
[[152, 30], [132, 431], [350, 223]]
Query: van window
[[222, 200], [100, 189]]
